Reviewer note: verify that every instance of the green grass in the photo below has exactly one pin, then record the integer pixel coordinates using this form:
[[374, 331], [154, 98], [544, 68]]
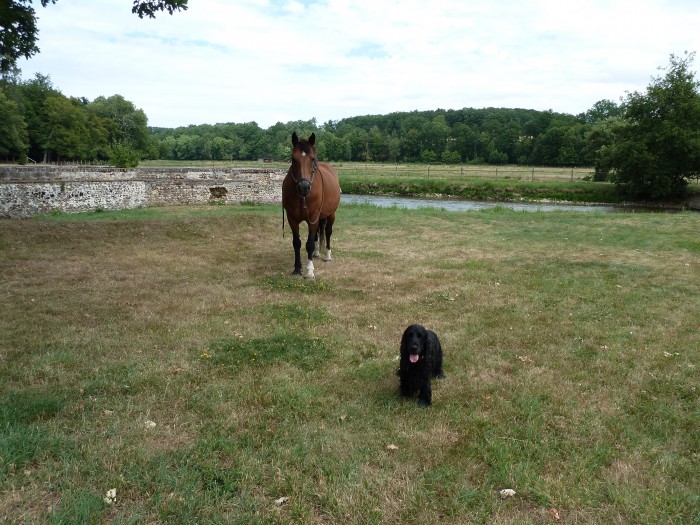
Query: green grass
[[485, 189], [571, 353]]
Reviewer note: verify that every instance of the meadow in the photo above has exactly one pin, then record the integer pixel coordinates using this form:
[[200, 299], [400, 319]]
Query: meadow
[[163, 366]]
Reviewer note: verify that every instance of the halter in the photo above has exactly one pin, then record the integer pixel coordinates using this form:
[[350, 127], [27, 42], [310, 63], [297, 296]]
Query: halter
[[314, 169]]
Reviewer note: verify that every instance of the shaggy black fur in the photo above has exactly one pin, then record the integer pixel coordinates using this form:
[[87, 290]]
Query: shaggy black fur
[[421, 360]]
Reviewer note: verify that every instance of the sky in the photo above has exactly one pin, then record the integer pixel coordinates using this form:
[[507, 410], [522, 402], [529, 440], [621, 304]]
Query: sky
[[270, 61]]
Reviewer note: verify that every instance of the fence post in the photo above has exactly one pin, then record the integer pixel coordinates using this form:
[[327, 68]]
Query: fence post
[[496, 172], [572, 174], [428, 170], [532, 178]]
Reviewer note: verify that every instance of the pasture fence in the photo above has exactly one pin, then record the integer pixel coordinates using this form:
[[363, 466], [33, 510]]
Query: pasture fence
[[427, 171]]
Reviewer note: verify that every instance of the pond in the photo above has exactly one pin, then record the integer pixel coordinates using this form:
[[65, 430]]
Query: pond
[[466, 205]]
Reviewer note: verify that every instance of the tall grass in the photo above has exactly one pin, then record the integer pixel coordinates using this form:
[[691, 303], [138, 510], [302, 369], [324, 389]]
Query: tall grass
[[169, 354]]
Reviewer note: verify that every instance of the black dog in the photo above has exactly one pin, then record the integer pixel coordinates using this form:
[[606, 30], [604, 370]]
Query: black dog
[[421, 360]]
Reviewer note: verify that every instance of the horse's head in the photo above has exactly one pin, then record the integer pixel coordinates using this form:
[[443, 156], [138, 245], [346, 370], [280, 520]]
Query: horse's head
[[303, 163]]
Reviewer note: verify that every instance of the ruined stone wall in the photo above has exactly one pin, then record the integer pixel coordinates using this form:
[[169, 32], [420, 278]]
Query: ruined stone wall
[[30, 190]]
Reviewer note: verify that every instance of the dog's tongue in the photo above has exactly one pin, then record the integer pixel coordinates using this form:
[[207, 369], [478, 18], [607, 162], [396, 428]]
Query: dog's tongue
[[414, 358]]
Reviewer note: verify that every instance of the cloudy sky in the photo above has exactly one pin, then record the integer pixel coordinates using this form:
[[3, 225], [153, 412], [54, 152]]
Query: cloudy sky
[[273, 61]]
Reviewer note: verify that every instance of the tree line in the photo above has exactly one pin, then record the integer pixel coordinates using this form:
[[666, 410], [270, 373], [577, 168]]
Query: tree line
[[490, 135], [649, 144], [43, 125]]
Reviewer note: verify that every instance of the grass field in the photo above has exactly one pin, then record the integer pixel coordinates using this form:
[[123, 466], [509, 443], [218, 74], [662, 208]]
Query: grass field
[[452, 172], [170, 355]]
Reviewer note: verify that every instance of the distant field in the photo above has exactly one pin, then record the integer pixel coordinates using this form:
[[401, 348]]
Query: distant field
[[167, 353], [412, 170]]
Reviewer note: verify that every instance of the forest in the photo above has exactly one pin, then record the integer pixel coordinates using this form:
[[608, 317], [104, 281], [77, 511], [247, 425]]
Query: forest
[[468, 135]]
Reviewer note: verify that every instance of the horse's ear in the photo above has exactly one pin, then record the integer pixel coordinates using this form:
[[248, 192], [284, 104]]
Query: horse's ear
[[312, 139], [295, 139]]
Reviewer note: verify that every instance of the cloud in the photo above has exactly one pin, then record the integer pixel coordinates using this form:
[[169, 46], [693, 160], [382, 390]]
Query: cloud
[[279, 60]]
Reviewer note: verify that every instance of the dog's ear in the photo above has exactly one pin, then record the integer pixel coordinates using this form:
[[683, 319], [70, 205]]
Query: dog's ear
[[425, 340], [404, 338]]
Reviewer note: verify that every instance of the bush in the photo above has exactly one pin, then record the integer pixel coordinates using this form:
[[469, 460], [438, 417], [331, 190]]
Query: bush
[[124, 156], [498, 157], [451, 157]]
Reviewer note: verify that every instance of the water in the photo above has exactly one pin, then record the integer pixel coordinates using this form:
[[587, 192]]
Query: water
[[465, 205]]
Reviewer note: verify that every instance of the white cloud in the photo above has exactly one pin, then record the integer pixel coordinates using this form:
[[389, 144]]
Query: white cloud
[[281, 60]]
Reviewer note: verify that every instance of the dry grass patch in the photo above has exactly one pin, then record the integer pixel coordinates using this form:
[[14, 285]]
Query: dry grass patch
[[570, 352]]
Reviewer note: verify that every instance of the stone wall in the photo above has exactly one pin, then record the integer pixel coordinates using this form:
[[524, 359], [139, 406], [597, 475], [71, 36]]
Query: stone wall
[[32, 190]]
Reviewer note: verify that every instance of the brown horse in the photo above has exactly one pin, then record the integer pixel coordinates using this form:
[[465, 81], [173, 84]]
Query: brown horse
[[310, 193]]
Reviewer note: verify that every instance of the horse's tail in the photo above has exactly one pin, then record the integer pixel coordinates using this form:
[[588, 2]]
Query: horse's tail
[[283, 221]]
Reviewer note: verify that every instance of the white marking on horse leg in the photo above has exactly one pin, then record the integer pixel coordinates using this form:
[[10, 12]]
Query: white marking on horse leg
[[327, 257], [317, 246], [310, 270]]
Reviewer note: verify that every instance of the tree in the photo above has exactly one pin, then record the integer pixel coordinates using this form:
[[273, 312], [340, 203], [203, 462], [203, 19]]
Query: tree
[[68, 130], [19, 33], [127, 125], [410, 147], [433, 135], [34, 94], [377, 147], [657, 148], [597, 147], [14, 139], [465, 141], [572, 144], [151, 7], [602, 110]]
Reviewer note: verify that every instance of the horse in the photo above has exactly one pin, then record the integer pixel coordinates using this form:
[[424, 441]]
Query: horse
[[310, 193]]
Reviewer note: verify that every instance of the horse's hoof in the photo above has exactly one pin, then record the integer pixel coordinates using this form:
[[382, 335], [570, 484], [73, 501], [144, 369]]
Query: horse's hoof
[[309, 270], [296, 273]]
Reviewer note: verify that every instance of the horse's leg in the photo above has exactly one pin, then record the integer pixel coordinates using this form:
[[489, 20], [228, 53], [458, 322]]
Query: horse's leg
[[329, 231], [310, 245], [296, 243], [320, 238]]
